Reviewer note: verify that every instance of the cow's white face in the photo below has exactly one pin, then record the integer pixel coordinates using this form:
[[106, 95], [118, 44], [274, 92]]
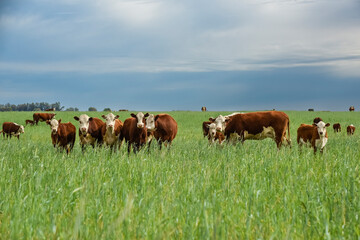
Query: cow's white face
[[21, 129], [110, 121], [54, 125], [212, 130], [220, 122], [150, 123], [321, 128], [84, 123], [140, 118]]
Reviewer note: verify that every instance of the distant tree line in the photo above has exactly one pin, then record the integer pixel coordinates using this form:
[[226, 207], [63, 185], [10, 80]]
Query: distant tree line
[[42, 106]]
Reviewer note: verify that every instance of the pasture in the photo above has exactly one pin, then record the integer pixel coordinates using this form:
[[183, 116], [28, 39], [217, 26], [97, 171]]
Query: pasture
[[192, 191]]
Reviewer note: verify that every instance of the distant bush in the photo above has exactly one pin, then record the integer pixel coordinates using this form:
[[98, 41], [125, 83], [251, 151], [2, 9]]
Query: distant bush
[[107, 110], [71, 109], [92, 109]]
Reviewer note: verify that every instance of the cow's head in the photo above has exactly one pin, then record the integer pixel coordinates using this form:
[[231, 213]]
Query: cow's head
[[21, 129], [220, 122], [84, 121], [321, 128], [212, 130], [54, 125], [150, 122], [141, 118], [110, 121]]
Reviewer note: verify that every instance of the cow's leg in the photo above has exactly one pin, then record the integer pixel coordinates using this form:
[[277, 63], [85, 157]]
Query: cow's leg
[[315, 150], [129, 148], [160, 143]]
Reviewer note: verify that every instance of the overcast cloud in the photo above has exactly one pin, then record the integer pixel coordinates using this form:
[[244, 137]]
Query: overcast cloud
[[220, 54]]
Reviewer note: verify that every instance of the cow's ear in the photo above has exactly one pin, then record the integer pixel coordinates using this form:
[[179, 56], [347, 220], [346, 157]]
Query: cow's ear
[[90, 118], [117, 116], [212, 119], [314, 124], [59, 120], [227, 119], [207, 125], [76, 118], [146, 115], [103, 116], [328, 124], [48, 122], [156, 117], [133, 115]]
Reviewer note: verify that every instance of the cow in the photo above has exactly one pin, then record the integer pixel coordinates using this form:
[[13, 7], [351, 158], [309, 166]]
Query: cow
[[62, 134], [134, 131], [12, 129], [350, 129], [205, 128], [214, 135], [90, 130], [50, 109], [162, 127], [31, 122], [315, 134], [111, 130], [203, 109], [310, 109], [42, 117], [351, 108], [256, 126], [337, 127]]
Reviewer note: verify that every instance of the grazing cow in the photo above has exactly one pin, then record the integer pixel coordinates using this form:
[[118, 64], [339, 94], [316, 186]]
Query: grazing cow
[[256, 125], [214, 135], [162, 127], [315, 134], [50, 109], [62, 134], [111, 130], [42, 117], [337, 127], [203, 109], [350, 130], [12, 129], [351, 108], [90, 130], [317, 119], [134, 131], [310, 109], [31, 122]]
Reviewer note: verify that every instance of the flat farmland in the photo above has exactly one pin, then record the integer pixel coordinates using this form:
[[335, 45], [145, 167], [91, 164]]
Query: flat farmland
[[192, 191]]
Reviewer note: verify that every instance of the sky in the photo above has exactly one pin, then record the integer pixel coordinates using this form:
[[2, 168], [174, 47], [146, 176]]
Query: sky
[[163, 55]]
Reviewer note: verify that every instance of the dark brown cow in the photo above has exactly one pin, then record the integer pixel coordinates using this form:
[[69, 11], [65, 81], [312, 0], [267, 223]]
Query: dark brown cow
[[134, 131], [203, 109], [315, 134], [31, 122], [162, 127], [12, 129], [351, 108], [111, 130], [42, 117], [205, 128], [350, 130], [90, 130], [337, 127], [256, 125], [62, 134]]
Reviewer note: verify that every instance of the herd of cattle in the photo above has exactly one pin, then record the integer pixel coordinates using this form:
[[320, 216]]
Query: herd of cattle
[[141, 129]]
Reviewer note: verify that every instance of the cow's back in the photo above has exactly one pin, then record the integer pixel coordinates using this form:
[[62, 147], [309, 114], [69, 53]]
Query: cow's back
[[127, 129], [9, 127], [306, 133], [166, 127]]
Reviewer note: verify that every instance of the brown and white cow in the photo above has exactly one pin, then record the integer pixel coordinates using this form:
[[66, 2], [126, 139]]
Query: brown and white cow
[[50, 109], [90, 130], [337, 127], [316, 135], [351, 108], [205, 128], [134, 131], [162, 127], [256, 126], [12, 129], [203, 109], [111, 130], [28, 121], [42, 117], [214, 135], [350, 130], [62, 134]]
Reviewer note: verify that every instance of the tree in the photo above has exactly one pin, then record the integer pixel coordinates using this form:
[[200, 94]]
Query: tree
[[92, 109], [107, 110]]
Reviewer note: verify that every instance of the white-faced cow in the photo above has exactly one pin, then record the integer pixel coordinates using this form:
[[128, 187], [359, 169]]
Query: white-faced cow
[[111, 130], [203, 109], [350, 130], [90, 130], [337, 127], [134, 131], [162, 127], [12, 129], [256, 126], [316, 135], [28, 121], [351, 108], [62, 134], [42, 117], [214, 135]]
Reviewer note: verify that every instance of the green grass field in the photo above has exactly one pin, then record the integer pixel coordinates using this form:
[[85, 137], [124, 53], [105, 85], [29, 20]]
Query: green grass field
[[192, 191]]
